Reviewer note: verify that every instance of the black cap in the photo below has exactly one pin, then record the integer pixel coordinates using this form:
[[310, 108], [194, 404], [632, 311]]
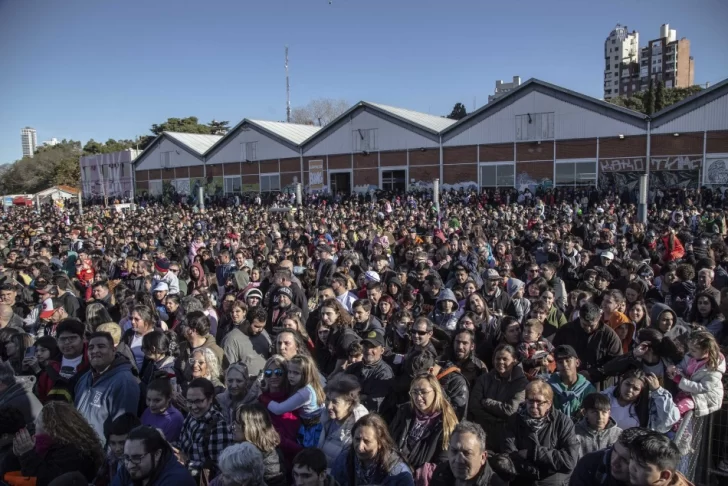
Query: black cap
[[564, 351], [375, 338]]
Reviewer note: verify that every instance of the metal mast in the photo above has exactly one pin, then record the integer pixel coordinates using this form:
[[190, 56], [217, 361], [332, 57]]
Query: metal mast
[[288, 92]]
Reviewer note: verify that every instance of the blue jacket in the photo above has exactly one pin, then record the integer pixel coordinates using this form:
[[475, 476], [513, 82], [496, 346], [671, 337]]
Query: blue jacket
[[172, 474], [112, 394]]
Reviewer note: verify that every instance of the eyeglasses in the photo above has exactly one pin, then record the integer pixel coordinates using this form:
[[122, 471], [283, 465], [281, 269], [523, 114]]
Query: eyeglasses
[[420, 393], [192, 361], [539, 403], [197, 402], [136, 460], [277, 372], [419, 333]]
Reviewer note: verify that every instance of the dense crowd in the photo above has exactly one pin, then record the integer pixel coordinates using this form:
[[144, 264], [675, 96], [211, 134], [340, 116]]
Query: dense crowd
[[495, 338]]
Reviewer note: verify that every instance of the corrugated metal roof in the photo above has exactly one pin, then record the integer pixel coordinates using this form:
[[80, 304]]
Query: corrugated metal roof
[[290, 131], [431, 122], [196, 142]]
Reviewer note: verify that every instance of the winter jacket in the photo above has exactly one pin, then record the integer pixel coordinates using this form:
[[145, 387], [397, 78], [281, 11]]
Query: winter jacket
[[679, 330], [500, 301], [428, 449], [171, 473], [20, 396], [595, 469], [494, 399], [568, 400], [705, 386], [471, 368], [58, 459], [542, 457], [591, 440], [375, 380], [594, 349], [447, 322], [203, 439], [102, 398], [253, 351], [274, 468], [334, 437], [399, 474], [443, 476], [455, 386]]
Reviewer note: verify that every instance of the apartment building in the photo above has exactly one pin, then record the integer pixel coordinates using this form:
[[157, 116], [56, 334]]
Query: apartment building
[[667, 59], [621, 62]]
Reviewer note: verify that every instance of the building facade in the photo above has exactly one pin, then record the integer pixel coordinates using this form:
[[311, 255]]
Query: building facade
[[501, 88], [108, 175], [29, 141], [667, 59], [537, 136], [621, 57]]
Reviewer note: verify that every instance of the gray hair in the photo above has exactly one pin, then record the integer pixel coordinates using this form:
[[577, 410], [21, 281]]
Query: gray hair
[[213, 367], [243, 463], [7, 374], [191, 303], [468, 427]]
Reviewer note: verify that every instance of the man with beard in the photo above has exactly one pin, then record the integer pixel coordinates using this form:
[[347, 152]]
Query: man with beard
[[499, 302], [150, 460], [610, 466], [374, 375], [463, 355]]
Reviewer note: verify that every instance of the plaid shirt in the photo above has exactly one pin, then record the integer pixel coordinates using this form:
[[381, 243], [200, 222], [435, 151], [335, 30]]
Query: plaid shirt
[[204, 439]]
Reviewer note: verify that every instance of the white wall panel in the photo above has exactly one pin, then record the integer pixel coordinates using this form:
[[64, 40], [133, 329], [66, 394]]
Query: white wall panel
[[267, 148], [571, 121], [711, 116], [389, 136], [179, 157]]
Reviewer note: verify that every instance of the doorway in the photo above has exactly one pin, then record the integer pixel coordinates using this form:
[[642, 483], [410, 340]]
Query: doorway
[[394, 180], [340, 182]]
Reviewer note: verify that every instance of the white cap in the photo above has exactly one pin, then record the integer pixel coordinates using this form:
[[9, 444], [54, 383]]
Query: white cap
[[160, 287]]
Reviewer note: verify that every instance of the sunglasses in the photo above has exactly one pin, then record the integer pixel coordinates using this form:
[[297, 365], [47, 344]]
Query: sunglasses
[[277, 372], [419, 333]]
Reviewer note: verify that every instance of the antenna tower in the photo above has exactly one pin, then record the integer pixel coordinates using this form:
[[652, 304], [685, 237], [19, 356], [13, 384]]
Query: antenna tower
[[288, 92]]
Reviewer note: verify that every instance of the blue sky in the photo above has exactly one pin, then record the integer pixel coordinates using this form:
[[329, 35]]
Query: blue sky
[[103, 69]]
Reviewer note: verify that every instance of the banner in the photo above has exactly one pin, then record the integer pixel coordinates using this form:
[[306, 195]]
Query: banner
[[716, 171], [315, 175]]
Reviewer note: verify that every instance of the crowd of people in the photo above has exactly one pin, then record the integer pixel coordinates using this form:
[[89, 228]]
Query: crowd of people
[[495, 338]]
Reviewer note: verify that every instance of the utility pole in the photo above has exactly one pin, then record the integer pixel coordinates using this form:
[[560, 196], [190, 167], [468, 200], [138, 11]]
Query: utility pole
[[288, 92]]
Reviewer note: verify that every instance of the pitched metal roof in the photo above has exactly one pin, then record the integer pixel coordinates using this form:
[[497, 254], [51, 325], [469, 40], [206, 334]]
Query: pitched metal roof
[[425, 120], [196, 142], [292, 132], [690, 103]]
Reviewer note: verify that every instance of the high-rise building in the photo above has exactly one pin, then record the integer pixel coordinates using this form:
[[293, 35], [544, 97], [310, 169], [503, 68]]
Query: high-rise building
[[49, 143], [29, 141], [502, 88], [621, 55], [667, 59]]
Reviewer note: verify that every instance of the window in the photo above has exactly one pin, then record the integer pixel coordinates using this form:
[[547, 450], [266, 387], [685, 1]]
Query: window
[[364, 140], [250, 151], [84, 173], [181, 186], [614, 41], [394, 180], [577, 173], [270, 182], [105, 171], [165, 159], [155, 188], [616, 83], [616, 66], [233, 185], [497, 175], [535, 126], [124, 170], [616, 58]]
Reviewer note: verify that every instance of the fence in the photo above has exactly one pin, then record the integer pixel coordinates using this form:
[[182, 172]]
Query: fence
[[703, 443]]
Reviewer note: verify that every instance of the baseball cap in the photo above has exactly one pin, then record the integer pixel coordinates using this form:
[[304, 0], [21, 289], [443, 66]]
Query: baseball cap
[[565, 351], [608, 254], [375, 338], [49, 307], [161, 287], [372, 276], [492, 274]]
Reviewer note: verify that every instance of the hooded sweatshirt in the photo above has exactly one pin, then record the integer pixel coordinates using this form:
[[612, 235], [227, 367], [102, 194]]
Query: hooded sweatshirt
[[102, 398], [450, 320], [616, 320], [522, 305], [591, 440], [568, 399], [679, 327]]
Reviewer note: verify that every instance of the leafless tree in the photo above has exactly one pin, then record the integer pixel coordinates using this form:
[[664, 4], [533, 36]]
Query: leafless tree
[[320, 111]]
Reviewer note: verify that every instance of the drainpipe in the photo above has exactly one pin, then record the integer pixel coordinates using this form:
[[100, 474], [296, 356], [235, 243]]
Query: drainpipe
[[441, 167]]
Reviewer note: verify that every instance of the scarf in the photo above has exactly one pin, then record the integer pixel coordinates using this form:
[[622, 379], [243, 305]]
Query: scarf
[[535, 424], [421, 426], [365, 473]]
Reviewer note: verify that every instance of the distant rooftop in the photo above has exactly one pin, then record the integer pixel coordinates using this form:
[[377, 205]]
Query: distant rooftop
[[290, 131], [196, 142], [431, 122]]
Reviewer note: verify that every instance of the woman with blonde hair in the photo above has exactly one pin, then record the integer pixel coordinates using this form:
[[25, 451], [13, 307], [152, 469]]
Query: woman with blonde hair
[[251, 423], [422, 427], [275, 387], [204, 365], [63, 442]]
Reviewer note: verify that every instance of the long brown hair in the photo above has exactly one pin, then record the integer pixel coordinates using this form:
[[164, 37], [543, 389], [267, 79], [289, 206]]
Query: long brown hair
[[309, 375], [706, 342], [344, 318], [387, 454], [66, 426], [440, 404], [257, 427]]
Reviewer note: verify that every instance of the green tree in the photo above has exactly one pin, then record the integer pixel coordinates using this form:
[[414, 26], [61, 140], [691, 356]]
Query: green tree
[[184, 125], [659, 96], [458, 112], [57, 164], [649, 100], [219, 127], [638, 101]]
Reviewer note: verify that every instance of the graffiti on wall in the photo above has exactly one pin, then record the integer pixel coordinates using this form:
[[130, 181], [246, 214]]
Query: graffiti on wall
[[619, 181], [525, 180], [675, 179], [716, 171], [676, 163], [214, 186], [627, 164], [315, 175]]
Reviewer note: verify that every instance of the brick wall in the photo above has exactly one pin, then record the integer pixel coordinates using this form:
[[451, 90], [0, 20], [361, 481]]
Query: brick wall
[[291, 165], [338, 161], [167, 174], [497, 153], [362, 161], [614, 147], [685, 144], [248, 168], [536, 170], [424, 173], [197, 171], [576, 149], [460, 173], [717, 142], [181, 172], [535, 151], [142, 175], [214, 170], [459, 155], [364, 177], [287, 178], [269, 166], [389, 159], [428, 157], [231, 169]]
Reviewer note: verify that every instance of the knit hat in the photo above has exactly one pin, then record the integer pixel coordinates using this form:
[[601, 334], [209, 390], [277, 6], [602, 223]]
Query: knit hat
[[161, 265], [284, 291], [371, 276], [514, 285], [253, 292]]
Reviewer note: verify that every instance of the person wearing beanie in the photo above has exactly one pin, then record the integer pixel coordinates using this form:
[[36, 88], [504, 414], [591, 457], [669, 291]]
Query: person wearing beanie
[[515, 289], [253, 297], [163, 275], [281, 303], [624, 327]]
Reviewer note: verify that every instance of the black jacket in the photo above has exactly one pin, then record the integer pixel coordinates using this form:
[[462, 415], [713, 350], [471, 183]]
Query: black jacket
[[594, 349], [325, 273], [500, 301], [471, 368], [417, 452], [443, 476], [595, 469], [55, 461], [502, 400], [543, 457], [455, 386], [375, 380]]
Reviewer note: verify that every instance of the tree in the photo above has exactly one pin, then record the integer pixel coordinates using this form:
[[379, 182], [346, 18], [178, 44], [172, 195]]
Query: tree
[[649, 100], [184, 125], [458, 112], [52, 165], [637, 101], [219, 127], [319, 112], [93, 147], [659, 96]]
